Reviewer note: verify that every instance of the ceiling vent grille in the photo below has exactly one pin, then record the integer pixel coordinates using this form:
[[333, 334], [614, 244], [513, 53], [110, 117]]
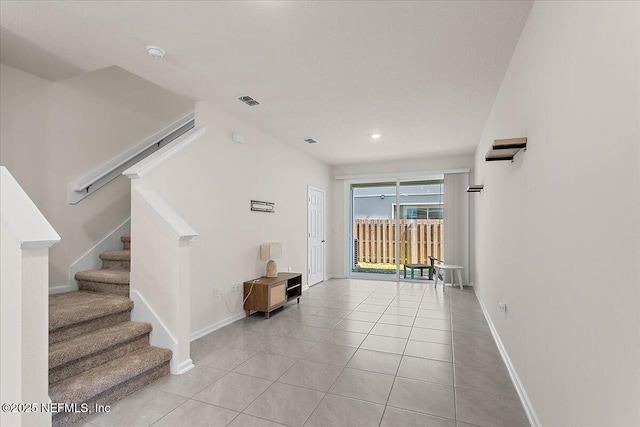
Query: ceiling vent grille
[[310, 141], [248, 100]]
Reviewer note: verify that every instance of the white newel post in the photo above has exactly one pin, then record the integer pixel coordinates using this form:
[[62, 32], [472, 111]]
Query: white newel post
[[184, 307], [26, 237], [160, 283], [160, 274]]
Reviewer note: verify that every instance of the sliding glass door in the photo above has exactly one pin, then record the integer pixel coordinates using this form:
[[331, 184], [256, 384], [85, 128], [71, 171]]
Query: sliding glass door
[[395, 228], [373, 229], [420, 222]]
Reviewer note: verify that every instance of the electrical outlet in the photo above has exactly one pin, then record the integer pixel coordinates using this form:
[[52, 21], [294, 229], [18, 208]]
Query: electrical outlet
[[235, 287], [503, 307], [216, 293]]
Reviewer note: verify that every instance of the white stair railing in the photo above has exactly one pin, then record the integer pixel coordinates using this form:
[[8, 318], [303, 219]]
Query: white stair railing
[[25, 237], [160, 283], [101, 176]]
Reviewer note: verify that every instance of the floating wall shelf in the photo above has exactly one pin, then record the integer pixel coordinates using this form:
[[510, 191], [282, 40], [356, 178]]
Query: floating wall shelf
[[259, 206], [505, 149], [475, 188]]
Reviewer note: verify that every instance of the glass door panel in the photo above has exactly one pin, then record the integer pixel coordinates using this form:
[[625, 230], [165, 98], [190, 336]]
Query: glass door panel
[[419, 214], [395, 227], [373, 246]]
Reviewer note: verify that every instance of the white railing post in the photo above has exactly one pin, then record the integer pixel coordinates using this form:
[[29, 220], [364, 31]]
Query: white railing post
[[160, 282], [25, 238]]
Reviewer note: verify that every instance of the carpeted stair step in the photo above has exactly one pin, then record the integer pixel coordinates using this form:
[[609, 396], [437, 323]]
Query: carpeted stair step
[[75, 313], [126, 241], [116, 260], [109, 382], [114, 282], [74, 356]]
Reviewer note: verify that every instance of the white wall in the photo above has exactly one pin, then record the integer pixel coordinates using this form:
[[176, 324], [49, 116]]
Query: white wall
[[210, 184], [53, 133], [557, 231], [340, 208]]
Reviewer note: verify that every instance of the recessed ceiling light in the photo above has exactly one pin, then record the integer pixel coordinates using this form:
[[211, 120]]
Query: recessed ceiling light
[[376, 136], [155, 52]]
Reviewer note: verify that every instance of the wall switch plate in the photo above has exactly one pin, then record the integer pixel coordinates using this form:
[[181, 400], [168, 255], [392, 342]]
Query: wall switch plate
[[503, 307], [216, 293]]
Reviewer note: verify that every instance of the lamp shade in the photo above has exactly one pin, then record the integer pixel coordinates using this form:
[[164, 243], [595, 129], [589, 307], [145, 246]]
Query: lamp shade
[[270, 251]]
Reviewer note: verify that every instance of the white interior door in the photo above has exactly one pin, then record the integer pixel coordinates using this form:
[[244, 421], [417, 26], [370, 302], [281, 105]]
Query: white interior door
[[316, 239]]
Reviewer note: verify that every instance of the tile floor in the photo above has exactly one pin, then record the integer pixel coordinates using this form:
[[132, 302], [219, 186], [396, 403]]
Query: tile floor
[[352, 353]]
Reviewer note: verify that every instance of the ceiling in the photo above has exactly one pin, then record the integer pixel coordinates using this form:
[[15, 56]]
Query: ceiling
[[422, 74]]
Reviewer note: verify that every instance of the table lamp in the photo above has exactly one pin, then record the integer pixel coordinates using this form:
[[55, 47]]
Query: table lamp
[[271, 251]]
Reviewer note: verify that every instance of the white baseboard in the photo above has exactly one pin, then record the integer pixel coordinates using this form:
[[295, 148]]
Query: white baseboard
[[91, 259], [184, 366], [62, 289], [224, 322], [214, 327], [524, 398]]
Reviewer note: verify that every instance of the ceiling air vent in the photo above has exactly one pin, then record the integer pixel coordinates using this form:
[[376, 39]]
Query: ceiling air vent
[[310, 141], [248, 100]]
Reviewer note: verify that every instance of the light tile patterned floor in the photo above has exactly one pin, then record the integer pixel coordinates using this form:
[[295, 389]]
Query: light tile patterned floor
[[352, 353]]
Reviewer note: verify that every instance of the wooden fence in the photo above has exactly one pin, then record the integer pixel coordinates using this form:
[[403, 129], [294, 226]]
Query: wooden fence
[[419, 238]]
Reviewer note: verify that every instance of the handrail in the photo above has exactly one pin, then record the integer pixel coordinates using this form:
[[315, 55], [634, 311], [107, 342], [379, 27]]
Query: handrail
[[94, 180], [146, 145], [149, 163]]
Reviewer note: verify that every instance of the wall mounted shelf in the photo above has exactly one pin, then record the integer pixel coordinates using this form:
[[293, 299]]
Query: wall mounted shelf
[[475, 188], [258, 206], [505, 149]]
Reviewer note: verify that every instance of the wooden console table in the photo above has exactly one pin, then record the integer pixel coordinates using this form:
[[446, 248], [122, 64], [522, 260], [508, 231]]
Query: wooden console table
[[269, 293]]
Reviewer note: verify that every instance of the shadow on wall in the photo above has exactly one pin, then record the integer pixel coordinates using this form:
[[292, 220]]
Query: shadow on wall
[[126, 90], [92, 228], [22, 54]]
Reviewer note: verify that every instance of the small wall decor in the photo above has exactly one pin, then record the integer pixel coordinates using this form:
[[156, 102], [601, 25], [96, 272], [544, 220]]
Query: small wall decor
[[506, 149], [259, 206]]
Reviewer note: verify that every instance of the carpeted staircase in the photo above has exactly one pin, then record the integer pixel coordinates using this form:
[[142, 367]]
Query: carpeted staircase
[[97, 355]]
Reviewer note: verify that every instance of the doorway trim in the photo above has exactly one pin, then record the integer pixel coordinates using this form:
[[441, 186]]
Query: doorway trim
[[324, 234]]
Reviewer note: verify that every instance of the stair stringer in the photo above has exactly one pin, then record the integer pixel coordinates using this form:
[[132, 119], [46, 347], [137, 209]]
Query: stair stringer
[[160, 335]]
